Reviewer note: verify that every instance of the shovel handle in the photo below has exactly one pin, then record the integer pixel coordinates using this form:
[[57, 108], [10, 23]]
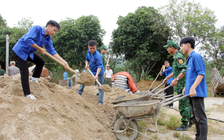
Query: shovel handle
[[94, 77], [55, 59]]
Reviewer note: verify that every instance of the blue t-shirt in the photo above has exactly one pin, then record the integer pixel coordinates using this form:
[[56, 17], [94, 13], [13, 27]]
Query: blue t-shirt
[[167, 72], [95, 62], [35, 35], [195, 67]]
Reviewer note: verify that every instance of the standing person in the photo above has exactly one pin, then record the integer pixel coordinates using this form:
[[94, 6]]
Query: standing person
[[179, 71], [195, 86], [109, 75], [2, 72], [103, 50], [35, 39], [13, 70], [94, 60], [167, 70]]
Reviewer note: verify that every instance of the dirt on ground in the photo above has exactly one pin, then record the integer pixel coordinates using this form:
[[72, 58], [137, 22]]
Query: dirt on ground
[[61, 113]]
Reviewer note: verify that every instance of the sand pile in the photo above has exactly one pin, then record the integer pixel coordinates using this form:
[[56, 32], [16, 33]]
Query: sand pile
[[58, 113], [86, 79]]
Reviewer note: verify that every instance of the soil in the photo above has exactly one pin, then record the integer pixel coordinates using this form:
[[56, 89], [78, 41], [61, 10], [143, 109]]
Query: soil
[[105, 88], [61, 113], [86, 79]]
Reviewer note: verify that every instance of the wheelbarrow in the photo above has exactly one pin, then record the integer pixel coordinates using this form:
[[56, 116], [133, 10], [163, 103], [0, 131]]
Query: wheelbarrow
[[127, 128], [147, 95]]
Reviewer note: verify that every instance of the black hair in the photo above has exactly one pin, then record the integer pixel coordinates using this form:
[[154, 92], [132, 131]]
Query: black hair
[[53, 23], [166, 61], [189, 40], [92, 43]]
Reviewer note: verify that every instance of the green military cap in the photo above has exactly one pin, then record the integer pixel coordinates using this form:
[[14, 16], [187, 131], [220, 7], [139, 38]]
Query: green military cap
[[171, 44], [103, 47]]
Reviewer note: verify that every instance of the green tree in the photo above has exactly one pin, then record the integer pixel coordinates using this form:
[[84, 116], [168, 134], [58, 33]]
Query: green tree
[[140, 36], [71, 40], [2, 21], [214, 48], [189, 19], [25, 23]]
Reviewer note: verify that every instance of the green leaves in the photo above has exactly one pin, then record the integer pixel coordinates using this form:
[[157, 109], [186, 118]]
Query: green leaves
[[140, 36], [71, 40]]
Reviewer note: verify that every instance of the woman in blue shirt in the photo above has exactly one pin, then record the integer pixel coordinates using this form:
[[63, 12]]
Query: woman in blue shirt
[[167, 70], [35, 39]]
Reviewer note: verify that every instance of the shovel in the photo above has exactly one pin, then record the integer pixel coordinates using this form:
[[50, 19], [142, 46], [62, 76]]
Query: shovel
[[55, 59], [102, 87]]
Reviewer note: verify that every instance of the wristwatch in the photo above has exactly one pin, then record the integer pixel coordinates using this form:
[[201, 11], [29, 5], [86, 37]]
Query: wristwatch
[[177, 79]]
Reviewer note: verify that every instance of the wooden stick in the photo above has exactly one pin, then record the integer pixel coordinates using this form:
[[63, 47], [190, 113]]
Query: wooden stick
[[154, 80], [55, 59]]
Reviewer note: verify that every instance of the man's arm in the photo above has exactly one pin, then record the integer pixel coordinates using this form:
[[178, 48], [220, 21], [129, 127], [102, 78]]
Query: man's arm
[[87, 65], [162, 70], [195, 85], [168, 77], [174, 82], [41, 50], [62, 60], [97, 73]]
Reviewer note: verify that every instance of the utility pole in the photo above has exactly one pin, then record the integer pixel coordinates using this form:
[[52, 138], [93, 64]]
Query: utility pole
[[7, 54]]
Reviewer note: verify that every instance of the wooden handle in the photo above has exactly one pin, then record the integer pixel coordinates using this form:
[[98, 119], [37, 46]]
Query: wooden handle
[[94, 77], [55, 59], [154, 80]]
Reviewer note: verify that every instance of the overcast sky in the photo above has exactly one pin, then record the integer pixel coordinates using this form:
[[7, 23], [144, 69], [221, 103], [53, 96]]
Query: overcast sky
[[107, 11]]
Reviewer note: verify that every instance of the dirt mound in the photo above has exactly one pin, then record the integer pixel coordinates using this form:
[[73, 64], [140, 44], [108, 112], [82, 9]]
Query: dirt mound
[[58, 113]]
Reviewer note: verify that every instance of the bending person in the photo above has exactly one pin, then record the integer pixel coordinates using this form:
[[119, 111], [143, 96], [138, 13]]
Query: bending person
[[35, 39]]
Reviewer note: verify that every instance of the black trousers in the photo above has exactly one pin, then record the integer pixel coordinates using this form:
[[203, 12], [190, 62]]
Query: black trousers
[[199, 117], [169, 91], [23, 66]]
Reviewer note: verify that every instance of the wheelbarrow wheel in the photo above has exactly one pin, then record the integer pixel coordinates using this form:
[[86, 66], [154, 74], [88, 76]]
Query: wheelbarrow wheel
[[132, 131]]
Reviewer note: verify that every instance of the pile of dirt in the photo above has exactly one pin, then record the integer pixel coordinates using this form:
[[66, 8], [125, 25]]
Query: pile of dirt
[[58, 113], [86, 79]]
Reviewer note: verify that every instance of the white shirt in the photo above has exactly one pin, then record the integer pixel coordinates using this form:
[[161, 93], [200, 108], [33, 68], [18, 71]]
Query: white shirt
[[109, 73]]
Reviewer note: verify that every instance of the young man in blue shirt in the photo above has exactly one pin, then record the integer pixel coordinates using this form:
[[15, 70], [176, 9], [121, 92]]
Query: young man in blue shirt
[[94, 60], [195, 86], [35, 39], [167, 70]]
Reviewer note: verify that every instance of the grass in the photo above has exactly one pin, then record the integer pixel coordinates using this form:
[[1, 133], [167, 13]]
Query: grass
[[181, 137], [173, 123]]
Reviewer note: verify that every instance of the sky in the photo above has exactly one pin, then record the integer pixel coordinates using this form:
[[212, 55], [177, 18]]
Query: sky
[[107, 11]]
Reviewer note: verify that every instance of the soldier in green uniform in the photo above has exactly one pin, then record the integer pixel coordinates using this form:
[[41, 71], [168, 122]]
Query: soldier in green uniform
[[103, 52], [179, 71]]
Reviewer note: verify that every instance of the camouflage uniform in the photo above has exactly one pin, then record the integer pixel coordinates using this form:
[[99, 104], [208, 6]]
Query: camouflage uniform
[[104, 62], [179, 65]]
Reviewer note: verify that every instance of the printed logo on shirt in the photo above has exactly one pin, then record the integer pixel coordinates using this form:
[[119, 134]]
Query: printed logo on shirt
[[93, 60], [180, 61], [189, 68]]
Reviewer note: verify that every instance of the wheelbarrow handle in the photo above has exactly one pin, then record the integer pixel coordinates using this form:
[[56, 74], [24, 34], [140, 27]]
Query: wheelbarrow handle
[[159, 92], [177, 99], [158, 87], [94, 77], [55, 59]]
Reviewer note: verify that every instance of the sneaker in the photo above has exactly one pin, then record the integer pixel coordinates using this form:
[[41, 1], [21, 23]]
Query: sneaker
[[181, 129], [32, 79], [97, 94], [31, 96], [100, 104]]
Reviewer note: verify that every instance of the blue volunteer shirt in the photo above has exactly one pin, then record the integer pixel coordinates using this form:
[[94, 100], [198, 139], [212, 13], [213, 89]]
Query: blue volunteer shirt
[[35, 35], [95, 62], [167, 72], [195, 67]]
